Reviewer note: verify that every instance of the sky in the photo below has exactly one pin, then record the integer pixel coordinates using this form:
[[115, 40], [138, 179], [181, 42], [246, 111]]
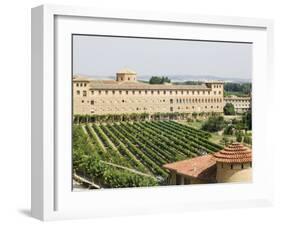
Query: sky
[[102, 57]]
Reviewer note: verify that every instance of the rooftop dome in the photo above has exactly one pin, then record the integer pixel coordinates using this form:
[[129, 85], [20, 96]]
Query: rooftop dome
[[234, 153], [126, 71]]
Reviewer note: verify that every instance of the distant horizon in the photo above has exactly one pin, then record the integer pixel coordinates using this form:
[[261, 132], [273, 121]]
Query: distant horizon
[[174, 78]]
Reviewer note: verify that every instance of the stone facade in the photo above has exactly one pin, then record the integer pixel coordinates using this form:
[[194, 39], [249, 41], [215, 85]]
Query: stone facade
[[236, 172], [241, 104], [127, 95]]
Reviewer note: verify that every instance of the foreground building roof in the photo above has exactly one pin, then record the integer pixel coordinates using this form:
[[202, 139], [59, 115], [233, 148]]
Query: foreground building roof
[[202, 167], [234, 153]]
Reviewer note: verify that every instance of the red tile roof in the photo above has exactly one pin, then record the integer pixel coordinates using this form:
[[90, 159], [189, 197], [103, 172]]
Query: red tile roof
[[202, 167], [234, 153]]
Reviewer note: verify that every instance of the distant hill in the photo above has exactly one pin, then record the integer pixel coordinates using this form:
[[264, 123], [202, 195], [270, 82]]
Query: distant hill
[[183, 78]]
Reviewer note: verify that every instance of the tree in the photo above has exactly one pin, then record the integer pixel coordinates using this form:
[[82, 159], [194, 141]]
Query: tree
[[247, 120], [240, 89], [213, 124], [225, 141], [229, 109], [194, 115], [159, 80], [228, 130], [247, 138], [239, 136]]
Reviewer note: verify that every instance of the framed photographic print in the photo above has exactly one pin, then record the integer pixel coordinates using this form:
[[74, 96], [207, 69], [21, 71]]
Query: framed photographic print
[[136, 112]]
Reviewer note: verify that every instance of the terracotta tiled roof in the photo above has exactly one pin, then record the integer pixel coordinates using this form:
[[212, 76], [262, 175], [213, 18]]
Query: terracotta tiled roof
[[202, 167], [79, 78], [105, 84], [126, 71], [234, 153], [135, 85]]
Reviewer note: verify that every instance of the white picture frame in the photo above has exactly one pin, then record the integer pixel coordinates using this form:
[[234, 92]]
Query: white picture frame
[[52, 197]]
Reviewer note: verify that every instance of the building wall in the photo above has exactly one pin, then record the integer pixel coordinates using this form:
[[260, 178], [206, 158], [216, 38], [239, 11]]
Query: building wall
[[81, 97], [150, 101], [241, 104], [121, 77], [234, 172]]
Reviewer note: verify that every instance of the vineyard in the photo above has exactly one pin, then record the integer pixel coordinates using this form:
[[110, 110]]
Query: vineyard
[[131, 154]]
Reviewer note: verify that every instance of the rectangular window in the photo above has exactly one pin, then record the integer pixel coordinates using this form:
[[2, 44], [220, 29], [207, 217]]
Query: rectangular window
[[92, 102], [84, 93], [78, 92]]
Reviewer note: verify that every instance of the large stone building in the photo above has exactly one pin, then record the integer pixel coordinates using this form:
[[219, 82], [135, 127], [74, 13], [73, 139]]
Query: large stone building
[[232, 164], [241, 104], [127, 95]]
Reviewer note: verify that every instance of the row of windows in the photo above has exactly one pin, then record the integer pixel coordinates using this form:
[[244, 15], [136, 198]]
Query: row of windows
[[238, 101], [242, 105], [154, 108], [128, 79], [113, 92], [196, 100], [192, 107], [172, 101], [236, 166], [217, 86], [81, 84]]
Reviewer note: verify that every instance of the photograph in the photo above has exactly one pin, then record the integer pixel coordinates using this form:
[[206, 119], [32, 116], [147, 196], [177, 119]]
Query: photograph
[[149, 111]]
